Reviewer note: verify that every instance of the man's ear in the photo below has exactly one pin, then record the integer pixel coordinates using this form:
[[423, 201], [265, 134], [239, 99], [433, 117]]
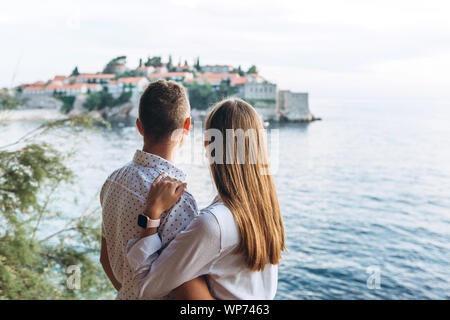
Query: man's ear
[[139, 126], [187, 125]]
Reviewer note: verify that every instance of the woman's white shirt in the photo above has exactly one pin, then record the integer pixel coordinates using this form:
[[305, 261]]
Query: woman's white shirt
[[206, 247]]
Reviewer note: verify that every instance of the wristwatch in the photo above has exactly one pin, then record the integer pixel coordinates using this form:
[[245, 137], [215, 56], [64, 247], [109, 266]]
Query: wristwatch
[[145, 222]]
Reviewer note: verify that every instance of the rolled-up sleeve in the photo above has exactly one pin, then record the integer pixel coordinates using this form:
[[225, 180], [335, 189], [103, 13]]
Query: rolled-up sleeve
[[141, 253], [188, 256]]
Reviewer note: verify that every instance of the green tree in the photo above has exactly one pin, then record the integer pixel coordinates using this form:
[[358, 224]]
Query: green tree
[[201, 96], [252, 69], [68, 102], [7, 100], [103, 99], [225, 90], [124, 97], [197, 65], [239, 71], [130, 73], [75, 72], [153, 61], [98, 100], [33, 265], [109, 68], [170, 67]]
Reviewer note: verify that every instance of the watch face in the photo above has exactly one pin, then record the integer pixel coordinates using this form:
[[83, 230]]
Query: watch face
[[142, 221]]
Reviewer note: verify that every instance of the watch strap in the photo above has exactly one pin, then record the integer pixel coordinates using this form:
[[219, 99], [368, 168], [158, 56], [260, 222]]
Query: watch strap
[[153, 223]]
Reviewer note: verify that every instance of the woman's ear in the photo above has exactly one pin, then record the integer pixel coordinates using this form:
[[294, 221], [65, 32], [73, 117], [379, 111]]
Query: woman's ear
[[139, 126]]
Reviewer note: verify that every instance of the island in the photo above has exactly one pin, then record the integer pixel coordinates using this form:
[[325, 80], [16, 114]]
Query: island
[[114, 92]]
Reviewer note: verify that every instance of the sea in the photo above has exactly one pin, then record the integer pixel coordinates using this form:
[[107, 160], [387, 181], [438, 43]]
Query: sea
[[364, 193]]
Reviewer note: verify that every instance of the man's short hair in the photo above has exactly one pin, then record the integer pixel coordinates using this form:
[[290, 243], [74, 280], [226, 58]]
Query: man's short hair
[[163, 108]]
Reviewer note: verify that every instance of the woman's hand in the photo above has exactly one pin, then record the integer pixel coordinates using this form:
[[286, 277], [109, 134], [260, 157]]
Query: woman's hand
[[164, 193]]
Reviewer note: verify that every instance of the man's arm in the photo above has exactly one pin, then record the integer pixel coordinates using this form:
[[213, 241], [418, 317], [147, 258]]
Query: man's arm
[[104, 260], [196, 289]]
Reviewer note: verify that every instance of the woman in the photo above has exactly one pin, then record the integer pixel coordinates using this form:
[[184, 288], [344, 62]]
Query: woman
[[237, 240]]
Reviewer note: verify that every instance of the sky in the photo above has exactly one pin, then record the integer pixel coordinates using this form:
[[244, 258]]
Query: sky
[[335, 50]]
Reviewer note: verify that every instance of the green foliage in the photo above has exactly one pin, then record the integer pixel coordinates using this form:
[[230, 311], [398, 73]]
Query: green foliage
[[252, 69], [170, 67], [68, 102], [103, 99], [124, 97], [33, 266], [109, 68], [75, 72], [130, 73], [99, 100], [7, 101], [202, 96], [22, 173], [239, 71], [153, 61], [225, 90], [261, 103], [197, 64]]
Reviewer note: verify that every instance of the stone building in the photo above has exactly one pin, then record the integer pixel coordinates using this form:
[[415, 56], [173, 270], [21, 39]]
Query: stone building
[[262, 95], [293, 106], [217, 68]]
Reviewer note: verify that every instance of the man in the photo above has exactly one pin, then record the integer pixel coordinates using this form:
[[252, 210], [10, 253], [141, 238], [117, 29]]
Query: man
[[164, 121]]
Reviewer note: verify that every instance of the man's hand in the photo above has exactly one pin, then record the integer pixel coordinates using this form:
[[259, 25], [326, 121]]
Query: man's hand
[[164, 193]]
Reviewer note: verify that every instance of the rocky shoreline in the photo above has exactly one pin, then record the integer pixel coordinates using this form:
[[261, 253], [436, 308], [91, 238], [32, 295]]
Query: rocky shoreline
[[119, 113], [37, 114], [122, 112]]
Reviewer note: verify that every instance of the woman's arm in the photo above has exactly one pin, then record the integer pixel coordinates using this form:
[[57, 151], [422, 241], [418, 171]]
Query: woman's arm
[[187, 257]]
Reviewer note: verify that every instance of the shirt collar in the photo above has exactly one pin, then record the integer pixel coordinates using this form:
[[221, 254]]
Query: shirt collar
[[159, 164]]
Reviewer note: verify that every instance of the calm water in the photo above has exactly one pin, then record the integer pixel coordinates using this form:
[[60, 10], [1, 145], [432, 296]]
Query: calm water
[[368, 187]]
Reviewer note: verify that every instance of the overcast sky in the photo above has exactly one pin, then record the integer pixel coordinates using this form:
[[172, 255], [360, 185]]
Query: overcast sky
[[388, 50]]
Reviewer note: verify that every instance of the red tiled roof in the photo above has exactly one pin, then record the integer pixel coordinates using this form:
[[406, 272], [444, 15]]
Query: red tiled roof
[[53, 86], [73, 86], [238, 81], [194, 80], [96, 76], [130, 79], [144, 68], [33, 88], [38, 83], [59, 78], [167, 74], [221, 75], [255, 75], [219, 65]]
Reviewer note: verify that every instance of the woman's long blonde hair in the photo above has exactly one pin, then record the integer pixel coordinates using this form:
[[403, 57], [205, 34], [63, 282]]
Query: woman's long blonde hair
[[246, 187]]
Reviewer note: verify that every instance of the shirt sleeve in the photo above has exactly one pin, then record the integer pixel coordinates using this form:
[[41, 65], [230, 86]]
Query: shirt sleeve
[[188, 256]]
